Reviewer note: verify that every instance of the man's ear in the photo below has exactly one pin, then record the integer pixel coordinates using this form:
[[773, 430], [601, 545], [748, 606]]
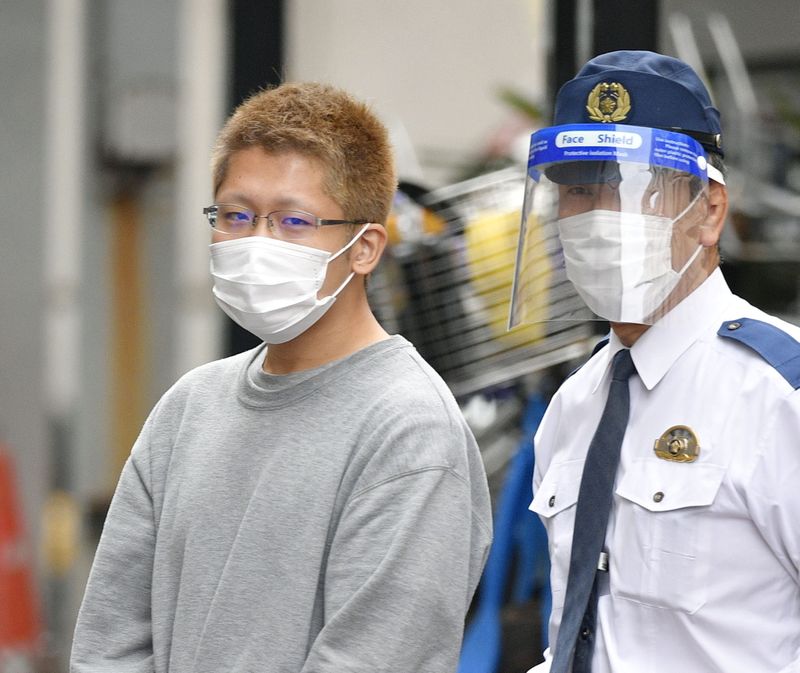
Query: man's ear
[[711, 229], [368, 249]]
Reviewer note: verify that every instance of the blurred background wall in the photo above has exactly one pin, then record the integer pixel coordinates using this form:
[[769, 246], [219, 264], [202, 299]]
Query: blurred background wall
[[108, 110]]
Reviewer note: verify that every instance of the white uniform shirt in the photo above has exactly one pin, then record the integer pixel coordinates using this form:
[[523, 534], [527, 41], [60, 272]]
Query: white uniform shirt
[[704, 557]]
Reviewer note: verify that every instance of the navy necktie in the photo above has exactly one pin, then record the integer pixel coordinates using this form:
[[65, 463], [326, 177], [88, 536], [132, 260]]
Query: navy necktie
[[576, 634]]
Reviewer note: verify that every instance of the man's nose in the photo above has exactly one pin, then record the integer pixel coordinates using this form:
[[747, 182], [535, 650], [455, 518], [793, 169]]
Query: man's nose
[[261, 226], [607, 197]]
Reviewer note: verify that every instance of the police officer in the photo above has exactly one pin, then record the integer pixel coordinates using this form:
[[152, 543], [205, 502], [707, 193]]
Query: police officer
[[667, 466]]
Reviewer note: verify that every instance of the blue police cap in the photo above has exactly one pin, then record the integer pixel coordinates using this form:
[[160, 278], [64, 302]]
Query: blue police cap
[[641, 88]]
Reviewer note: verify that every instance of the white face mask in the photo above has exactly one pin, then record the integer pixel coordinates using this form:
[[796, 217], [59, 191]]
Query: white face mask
[[270, 287], [621, 263]]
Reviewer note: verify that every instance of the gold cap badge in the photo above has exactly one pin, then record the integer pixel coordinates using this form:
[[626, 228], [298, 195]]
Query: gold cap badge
[[678, 444], [608, 102]]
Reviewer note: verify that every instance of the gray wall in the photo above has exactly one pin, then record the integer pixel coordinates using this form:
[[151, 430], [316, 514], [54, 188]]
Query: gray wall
[[25, 220], [765, 29]]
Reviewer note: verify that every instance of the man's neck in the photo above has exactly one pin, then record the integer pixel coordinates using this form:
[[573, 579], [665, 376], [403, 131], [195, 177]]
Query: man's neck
[[335, 336], [629, 333]]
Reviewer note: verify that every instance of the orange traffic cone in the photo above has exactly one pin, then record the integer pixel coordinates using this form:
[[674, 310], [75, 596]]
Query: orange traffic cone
[[19, 619]]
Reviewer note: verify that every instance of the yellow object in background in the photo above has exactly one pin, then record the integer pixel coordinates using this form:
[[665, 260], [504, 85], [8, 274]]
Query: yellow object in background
[[61, 532], [491, 245], [408, 221]]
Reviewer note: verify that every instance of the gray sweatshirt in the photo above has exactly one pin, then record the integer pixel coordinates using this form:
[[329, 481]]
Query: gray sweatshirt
[[336, 519]]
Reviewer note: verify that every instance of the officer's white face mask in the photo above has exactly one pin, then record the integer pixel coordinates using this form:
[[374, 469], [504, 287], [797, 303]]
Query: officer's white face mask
[[270, 287], [621, 263]]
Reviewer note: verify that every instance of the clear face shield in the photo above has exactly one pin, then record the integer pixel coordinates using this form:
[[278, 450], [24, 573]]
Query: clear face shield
[[613, 214]]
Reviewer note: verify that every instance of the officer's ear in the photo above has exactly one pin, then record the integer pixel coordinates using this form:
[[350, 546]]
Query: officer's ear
[[711, 229], [368, 249]]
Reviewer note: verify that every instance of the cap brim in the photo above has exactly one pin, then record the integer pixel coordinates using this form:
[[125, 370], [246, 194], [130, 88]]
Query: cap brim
[[583, 172]]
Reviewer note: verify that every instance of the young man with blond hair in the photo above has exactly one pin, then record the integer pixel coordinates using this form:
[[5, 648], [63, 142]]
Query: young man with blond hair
[[317, 503]]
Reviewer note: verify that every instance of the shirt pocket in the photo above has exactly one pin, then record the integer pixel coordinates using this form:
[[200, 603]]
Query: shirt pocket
[[660, 548], [554, 501]]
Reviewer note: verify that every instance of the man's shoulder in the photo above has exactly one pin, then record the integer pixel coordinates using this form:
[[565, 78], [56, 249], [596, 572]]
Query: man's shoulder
[[586, 372], [411, 423], [763, 339], [210, 375], [215, 369], [406, 377], [598, 347]]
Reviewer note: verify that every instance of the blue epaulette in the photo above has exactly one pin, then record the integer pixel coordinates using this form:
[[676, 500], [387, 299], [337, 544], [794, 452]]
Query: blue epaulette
[[778, 348]]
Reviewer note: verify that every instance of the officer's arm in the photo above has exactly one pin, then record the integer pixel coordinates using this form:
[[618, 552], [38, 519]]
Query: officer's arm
[[773, 496]]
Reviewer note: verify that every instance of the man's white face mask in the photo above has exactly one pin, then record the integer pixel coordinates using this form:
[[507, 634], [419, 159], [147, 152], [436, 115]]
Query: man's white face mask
[[270, 287], [621, 262]]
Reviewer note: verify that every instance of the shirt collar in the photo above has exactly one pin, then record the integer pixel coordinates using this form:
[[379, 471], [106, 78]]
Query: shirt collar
[[663, 343]]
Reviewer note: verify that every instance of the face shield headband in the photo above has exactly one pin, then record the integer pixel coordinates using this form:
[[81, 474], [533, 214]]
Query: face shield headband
[[609, 215]]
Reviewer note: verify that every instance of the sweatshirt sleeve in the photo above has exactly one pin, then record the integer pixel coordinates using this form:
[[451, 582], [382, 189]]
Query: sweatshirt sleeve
[[113, 632], [403, 565]]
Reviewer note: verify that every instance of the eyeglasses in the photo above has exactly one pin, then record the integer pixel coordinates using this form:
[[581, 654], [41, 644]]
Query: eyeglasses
[[291, 225]]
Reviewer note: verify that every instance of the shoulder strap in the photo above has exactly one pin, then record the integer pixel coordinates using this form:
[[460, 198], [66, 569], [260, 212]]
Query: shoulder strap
[[779, 349]]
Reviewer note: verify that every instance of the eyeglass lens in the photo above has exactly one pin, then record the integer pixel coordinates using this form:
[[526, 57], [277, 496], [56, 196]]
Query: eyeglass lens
[[287, 224]]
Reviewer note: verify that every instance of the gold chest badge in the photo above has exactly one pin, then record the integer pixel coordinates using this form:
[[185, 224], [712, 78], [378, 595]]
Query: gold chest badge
[[608, 102], [678, 444]]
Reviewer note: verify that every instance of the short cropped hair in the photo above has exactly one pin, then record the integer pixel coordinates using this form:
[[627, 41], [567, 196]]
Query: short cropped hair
[[323, 123]]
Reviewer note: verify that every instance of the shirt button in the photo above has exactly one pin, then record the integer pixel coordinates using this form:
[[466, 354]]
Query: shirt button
[[658, 496], [734, 325], [585, 634], [552, 501]]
